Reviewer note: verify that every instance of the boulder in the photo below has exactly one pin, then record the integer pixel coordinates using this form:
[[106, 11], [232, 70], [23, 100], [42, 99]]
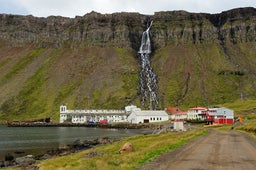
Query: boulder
[[45, 156], [25, 161], [104, 140], [127, 147]]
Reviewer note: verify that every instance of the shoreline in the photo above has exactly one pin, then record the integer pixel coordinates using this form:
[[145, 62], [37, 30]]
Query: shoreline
[[78, 145], [96, 125]]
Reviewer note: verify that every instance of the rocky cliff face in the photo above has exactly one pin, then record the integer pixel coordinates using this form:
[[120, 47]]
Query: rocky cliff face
[[124, 29], [93, 29], [90, 61]]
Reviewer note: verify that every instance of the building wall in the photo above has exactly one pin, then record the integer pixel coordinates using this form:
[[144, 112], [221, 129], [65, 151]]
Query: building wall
[[63, 117], [134, 117], [180, 116], [84, 116], [179, 126], [195, 114], [223, 121], [221, 115]]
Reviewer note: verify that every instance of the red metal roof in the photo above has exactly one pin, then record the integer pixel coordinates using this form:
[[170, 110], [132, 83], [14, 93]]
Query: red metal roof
[[173, 110], [198, 108]]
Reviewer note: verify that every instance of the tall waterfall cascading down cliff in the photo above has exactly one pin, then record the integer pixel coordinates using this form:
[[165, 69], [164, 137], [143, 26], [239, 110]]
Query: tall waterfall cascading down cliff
[[147, 78]]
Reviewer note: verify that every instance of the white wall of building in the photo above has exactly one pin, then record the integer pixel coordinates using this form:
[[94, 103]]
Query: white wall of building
[[179, 126], [228, 113], [84, 116], [131, 114], [147, 116], [180, 116], [195, 114]]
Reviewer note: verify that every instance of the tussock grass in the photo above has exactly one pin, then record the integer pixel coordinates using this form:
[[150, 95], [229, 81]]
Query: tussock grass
[[248, 126], [146, 147]]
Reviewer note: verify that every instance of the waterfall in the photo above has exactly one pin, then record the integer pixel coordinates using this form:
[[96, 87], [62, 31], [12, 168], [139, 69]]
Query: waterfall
[[147, 79]]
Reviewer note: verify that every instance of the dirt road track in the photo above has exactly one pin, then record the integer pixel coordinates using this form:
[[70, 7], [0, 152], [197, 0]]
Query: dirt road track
[[218, 150]]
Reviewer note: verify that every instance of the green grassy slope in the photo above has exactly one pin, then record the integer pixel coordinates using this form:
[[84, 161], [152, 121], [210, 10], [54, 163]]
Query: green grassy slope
[[38, 81], [34, 82], [203, 74]]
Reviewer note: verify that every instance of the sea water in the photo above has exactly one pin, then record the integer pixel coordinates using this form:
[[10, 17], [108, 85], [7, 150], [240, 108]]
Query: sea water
[[37, 140]]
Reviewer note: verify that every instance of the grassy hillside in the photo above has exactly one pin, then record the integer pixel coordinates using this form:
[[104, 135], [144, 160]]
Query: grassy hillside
[[203, 74], [34, 82]]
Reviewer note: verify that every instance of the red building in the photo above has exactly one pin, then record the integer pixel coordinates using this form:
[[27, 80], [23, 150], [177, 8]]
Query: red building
[[219, 116]]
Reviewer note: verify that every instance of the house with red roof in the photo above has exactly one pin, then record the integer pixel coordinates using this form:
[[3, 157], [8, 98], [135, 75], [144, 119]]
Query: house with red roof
[[219, 116], [176, 114]]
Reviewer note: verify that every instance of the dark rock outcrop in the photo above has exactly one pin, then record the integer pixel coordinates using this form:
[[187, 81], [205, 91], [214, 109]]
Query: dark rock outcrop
[[124, 29], [25, 161]]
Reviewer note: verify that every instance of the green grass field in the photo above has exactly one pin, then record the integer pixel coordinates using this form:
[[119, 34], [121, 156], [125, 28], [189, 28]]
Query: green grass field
[[146, 147]]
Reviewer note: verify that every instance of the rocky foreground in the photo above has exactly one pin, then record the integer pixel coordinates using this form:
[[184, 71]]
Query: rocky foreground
[[30, 160]]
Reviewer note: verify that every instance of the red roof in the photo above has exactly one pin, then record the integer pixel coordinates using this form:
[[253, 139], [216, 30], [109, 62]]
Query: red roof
[[198, 108], [173, 110]]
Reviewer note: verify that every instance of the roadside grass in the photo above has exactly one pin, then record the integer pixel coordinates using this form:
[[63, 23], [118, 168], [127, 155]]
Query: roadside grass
[[248, 126], [146, 148]]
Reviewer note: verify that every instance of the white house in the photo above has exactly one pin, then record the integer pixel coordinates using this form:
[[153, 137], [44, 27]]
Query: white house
[[196, 113], [147, 116]]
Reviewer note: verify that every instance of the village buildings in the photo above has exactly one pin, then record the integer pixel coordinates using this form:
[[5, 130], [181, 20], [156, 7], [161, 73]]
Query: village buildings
[[133, 114]]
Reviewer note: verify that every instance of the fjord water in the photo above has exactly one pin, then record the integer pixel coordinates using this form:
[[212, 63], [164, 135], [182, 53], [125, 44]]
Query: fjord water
[[37, 140]]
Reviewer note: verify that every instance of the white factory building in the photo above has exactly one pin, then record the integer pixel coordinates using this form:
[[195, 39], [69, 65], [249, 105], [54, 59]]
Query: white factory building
[[147, 116], [130, 114]]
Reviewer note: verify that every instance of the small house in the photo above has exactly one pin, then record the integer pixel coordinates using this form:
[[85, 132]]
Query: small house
[[171, 111]]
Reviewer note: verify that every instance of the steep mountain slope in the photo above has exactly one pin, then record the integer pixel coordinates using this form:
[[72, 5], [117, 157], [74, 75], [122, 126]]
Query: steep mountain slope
[[91, 61]]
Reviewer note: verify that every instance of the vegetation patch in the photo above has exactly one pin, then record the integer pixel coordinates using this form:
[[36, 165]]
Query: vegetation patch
[[145, 147], [22, 63]]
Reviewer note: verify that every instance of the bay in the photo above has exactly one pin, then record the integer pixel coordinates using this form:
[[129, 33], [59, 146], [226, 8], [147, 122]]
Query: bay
[[37, 140]]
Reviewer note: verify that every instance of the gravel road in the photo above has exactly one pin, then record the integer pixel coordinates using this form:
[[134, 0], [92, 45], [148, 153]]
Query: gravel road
[[218, 150]]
